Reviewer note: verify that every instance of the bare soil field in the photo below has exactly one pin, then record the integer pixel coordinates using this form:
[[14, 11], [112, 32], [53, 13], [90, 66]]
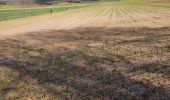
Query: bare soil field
[[103, 15], [110, 51]]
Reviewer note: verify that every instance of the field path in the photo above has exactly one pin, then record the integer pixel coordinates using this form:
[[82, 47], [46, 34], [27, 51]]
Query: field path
[[101, 15]]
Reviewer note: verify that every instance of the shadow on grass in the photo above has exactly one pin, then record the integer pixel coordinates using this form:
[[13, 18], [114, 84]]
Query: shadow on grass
[[88, 67]]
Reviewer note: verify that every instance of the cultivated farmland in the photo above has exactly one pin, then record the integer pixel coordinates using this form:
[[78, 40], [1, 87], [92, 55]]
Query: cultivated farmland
[[19, 11], [105, 51]]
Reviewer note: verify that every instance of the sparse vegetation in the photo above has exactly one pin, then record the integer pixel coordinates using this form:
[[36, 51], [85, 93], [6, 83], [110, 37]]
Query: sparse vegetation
[[106, 51], [88, 63]]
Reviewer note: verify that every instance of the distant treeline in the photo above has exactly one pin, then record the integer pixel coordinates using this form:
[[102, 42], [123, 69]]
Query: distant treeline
[[35, 1], [44, 1]]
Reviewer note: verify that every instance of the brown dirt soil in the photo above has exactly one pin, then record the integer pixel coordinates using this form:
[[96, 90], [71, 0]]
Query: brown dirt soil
[[106, 15]]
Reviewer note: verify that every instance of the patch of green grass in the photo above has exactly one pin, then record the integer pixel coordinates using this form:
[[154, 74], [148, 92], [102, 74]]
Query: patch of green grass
[[7, 13], [6, 7]]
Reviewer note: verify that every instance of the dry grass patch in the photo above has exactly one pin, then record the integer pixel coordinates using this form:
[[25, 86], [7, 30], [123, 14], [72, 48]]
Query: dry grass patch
[[87, 63]]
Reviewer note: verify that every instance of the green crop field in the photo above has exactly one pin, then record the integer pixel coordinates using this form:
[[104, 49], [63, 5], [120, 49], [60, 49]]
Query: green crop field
[[12, 12]]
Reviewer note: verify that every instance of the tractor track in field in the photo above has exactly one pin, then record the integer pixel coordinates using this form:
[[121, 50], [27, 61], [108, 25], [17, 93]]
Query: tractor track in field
[[78, 20], [129, 17], [103, 18], [111, 15], [148, 16], [90, 19], [104, 15], [131, 14], [97, 19], [115, 16], [112, 18], [123, 15]]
